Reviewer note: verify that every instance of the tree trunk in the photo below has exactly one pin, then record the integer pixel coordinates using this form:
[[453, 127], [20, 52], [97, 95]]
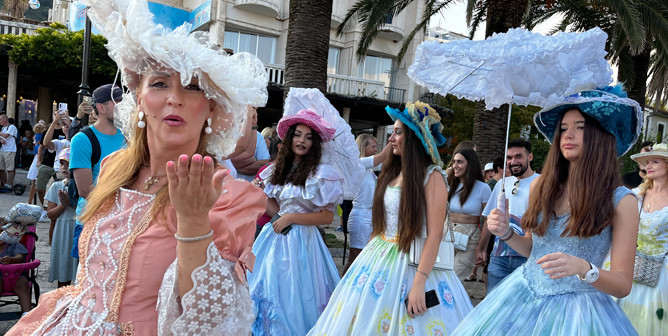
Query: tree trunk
[[489, 126], [307, 44], [634, 74]]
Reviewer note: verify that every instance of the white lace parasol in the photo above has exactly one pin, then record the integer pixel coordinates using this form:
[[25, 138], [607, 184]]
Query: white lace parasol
[[519, 66], [342, 152]]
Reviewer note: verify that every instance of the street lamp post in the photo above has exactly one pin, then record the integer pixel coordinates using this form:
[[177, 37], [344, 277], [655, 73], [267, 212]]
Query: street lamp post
[[84, 89]]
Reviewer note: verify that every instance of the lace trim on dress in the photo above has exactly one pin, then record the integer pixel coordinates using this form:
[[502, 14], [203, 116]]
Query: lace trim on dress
[[217, 303], [73, 290], [52, 303]]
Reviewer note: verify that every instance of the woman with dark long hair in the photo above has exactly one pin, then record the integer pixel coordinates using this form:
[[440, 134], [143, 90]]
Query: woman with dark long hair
[[381, 293], [295, 273], [577, 214], [467, 198]]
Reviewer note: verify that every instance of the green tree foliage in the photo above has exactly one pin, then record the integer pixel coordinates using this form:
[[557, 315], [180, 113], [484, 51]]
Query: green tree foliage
[[56, 49]]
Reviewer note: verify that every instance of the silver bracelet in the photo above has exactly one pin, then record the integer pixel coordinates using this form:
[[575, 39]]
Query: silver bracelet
[[193, 239]]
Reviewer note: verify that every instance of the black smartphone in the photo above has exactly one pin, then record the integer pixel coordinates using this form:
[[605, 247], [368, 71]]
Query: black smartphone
[[431, 299], [286, 229]]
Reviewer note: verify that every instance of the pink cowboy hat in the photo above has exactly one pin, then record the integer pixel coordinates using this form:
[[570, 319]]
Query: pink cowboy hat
[[310, 119]]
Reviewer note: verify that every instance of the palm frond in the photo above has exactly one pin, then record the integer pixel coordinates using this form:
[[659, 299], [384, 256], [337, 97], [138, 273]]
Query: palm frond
[[432, 8], [479, 15]]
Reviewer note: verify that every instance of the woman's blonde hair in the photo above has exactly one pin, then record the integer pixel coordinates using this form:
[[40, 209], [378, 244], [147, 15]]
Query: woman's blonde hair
[[647, 183], [39, 128], [121, 170], [363, 141], [267, 132]]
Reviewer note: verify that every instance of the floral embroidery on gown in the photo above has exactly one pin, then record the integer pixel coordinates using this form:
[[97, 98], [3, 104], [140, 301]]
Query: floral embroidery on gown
[[369, 300], [120, 250], [647, 306]]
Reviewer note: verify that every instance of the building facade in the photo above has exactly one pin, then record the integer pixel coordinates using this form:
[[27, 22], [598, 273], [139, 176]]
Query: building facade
[[359, 90]]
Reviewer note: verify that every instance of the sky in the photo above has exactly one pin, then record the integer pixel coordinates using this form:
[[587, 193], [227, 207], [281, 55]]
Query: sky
[[454, 20]]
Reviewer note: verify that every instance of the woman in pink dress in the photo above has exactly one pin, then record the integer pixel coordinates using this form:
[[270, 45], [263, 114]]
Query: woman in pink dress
[[162, 249]]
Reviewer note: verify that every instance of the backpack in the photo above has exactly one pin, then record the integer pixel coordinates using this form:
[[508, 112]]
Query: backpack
[[72, 191]]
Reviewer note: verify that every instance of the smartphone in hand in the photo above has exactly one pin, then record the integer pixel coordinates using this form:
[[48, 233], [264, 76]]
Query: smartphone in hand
[[286, 229], [431, 299]]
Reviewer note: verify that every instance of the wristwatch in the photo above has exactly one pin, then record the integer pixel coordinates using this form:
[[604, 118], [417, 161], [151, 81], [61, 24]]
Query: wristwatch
[[591, 276]]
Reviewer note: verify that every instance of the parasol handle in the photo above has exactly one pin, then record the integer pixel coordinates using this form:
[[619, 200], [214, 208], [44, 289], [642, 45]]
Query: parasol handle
[[505, 152]]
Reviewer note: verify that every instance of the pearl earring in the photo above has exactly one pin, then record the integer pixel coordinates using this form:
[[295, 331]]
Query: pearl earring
[[208, 129], [141, 123]]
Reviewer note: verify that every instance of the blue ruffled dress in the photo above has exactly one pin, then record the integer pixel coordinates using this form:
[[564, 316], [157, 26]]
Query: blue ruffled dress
[[369, 300], [294, 274], [528, 302]]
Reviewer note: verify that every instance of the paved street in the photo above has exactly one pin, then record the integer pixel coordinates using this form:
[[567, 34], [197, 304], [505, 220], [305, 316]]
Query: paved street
[[9, 314]]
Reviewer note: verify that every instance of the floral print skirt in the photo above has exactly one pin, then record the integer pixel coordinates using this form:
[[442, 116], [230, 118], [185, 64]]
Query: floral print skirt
[[369, 300]]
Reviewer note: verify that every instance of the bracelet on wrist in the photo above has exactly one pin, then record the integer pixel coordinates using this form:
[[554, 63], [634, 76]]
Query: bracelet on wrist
[[193, 239], [509, 235], [506, 234], [425, 274]]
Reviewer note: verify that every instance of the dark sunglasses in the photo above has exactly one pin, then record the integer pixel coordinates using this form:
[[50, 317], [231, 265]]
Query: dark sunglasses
[[516, 186]]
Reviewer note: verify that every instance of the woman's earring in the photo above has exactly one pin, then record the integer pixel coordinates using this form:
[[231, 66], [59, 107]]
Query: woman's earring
[[208, 129], [141, 123]]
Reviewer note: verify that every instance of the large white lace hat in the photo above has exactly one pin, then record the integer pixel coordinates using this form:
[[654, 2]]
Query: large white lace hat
[[137, 44]]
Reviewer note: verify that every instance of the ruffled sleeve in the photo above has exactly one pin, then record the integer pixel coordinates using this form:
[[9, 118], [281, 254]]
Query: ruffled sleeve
[[218, 303], [324, 189], [431, 169]]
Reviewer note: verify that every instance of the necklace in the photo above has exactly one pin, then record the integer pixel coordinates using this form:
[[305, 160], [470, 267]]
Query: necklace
[[151, 180]]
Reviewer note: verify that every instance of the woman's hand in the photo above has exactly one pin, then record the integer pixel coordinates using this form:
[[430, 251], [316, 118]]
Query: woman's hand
[[193, 190], [560, 265], [497, 223], [258, 183], [417, 304], [282, 223]]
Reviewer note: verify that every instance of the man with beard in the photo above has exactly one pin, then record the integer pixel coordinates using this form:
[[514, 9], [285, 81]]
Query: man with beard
[[504, 260]]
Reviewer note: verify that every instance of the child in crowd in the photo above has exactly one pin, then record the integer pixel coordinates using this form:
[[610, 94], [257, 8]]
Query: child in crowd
[[39, 128], [12, 251], [63, 267]]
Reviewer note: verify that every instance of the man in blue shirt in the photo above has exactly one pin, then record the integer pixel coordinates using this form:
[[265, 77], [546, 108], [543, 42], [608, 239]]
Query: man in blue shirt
[[504, 260], [110, 139]]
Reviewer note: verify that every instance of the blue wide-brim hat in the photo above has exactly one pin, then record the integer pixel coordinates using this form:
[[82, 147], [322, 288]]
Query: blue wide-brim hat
[[426, 123], [617, 114]]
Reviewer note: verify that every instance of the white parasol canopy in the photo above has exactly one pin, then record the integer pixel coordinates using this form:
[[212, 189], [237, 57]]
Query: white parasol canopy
[[341, 152], [519, 66]]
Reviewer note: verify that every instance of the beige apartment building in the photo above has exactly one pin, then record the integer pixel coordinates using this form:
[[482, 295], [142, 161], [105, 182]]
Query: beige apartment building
[[359, 90]]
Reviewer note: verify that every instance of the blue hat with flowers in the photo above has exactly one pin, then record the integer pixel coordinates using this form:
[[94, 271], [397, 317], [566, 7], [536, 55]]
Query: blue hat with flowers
[[618, 114], [425, 122]]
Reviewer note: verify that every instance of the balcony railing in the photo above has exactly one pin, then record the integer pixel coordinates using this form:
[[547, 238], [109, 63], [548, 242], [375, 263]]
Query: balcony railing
[[346, 85], [17, 28]]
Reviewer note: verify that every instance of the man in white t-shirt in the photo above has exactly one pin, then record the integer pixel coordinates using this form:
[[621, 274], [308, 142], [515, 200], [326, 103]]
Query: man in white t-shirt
[[504, 260], [8, 137]]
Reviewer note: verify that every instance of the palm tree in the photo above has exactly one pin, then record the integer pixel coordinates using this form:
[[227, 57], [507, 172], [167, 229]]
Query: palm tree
[[488, 126], [637, 29], [308, 44], [15, 8]]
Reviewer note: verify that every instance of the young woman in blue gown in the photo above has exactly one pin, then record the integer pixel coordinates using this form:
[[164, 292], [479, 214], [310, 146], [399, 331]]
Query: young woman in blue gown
[[577, 213]]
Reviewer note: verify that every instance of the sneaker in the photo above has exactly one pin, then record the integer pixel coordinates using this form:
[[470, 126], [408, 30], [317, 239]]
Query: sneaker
[[340, 228]]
